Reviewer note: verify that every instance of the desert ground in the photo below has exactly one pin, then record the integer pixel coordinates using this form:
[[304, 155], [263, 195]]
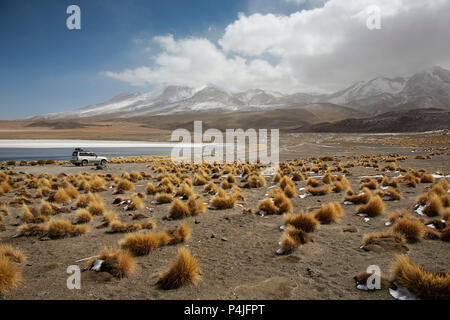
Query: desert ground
[[236, 248]]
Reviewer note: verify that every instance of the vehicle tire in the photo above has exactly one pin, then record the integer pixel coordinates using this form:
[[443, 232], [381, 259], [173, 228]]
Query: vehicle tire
[[103, 163], [84, 163]]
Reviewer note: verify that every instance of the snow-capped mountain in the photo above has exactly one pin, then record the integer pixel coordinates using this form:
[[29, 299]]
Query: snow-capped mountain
[[427, 89]]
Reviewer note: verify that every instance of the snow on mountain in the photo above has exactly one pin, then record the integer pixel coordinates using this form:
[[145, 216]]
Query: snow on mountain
[[427, 89]]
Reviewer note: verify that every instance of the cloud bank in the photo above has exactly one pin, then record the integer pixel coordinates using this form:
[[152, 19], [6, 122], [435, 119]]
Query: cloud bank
[[320, 49]]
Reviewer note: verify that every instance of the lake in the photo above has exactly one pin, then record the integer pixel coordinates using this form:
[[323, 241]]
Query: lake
[[30, 150]]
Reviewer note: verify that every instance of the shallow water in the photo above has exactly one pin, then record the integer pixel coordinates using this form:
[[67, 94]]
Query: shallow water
[[30, 154]]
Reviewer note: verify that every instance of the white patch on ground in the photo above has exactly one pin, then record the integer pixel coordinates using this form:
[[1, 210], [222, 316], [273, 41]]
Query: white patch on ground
[[402, 293]]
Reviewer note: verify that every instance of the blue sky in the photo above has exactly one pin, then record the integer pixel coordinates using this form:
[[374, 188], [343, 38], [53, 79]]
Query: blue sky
[[45, 67], [139, 45]]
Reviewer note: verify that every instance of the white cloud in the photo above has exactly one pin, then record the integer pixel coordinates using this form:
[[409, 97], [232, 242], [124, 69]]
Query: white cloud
[[323, 48]]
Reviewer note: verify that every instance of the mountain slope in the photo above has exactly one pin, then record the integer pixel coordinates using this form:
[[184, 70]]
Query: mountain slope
[[428, 89]]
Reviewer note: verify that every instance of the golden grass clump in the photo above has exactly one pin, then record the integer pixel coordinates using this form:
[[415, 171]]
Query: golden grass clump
[[290, 191], [268, 207], [15, 254], [185, 270], [328, 213], [97, 184], [363, 197], [196, 206], [433, 205], [164, 198], [423, 284], [287, 243], [124, 185], [140, 244], [179, 234], [445, 234], [61, 196], [121, 227], [178, 210], [302, 221], [372, 184], [319, 191], [199, 180], [83, 216], [390, 193], [10, 275], [150, 188], [413, 230], [61, 228], [283, 203], [427, 178], [300, 236], [312, 182], [373, 208], [117, 263], [222, 201], [185, 191], [136, 203], [71, 191], [96, 208]]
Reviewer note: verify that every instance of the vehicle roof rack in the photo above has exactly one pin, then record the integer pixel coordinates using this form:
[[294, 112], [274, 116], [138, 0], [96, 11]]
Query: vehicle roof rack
[[79, 149]]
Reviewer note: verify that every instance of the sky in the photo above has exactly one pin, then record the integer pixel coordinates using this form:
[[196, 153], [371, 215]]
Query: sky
[[138, 46]]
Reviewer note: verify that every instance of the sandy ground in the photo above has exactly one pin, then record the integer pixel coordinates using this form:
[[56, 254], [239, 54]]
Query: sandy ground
[[236, 252]]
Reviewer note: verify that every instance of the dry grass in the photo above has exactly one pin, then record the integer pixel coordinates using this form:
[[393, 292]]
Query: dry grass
[[222, 201], [268, 207], [329, 213], [71, 191], [185, 270], [445, 234], [61, 228], [433, 206], [15, 254], [301, 221], [287, 243], [10, 275], [375, 207], [61, 196], [140, 244], [164, 198], [117, 226], [312, 182], [423, 284], [319, 191], [150, 188], [427, 178], [124, 185], [179, 210], [196, 206], [179, 234], [413, 230], [363, 197], [83, 216], [96, 208], [117, 263], [290, 191]]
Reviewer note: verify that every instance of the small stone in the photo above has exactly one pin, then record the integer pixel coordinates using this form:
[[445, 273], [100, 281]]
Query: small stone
[[213, 236], [352, 229], [197, 222], [224, 239]]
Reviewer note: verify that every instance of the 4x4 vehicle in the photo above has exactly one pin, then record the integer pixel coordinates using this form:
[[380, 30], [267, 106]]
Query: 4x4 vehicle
[[83, 158]]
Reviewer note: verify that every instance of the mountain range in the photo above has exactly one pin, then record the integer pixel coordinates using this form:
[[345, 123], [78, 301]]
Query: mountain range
[[427, 89]]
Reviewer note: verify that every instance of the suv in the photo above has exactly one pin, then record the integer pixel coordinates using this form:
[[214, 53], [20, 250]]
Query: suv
[[81, 157]]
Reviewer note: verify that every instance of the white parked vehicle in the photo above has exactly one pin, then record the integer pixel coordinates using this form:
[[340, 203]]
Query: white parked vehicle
[[84, 158]]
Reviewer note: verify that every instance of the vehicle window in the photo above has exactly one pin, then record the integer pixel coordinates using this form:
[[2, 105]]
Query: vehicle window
[[83, 154], [92, 154], [74, 154]]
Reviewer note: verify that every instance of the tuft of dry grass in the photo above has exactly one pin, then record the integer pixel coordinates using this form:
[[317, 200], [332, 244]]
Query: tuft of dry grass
[[363, 197], [312, 182], [445, 234], [15, 254], [329, 213], [124, 185], [83, 216], [71, 191], [290, 191], [413, 230], [373, 208], [179, 210], [140, 244], [179, 234], [185, 270], [283, 203], [196, 206], [61, 228], [319, 191], [268, 207], [372, 184], [150, 188], [164, 198], [433, 206], [222, 201], [10, 275], [117, 263], [301, 221], [427, 178], [122, 227], [61, 196], [96, 208], [423, 284], [287, 243]]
